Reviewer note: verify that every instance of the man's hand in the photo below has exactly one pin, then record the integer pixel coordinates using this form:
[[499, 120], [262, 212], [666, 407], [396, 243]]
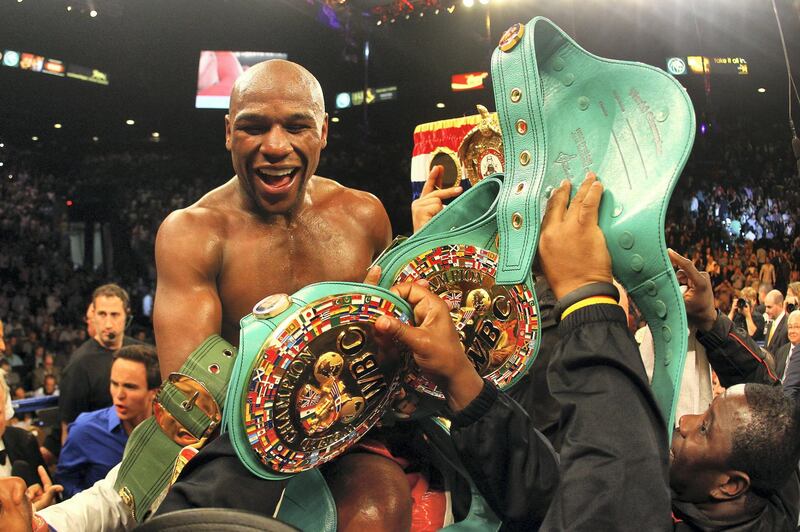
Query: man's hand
[[429, 202], [699, 298], [15, 508], [572, 248], [435, 344], [746, 310], [44, 494]]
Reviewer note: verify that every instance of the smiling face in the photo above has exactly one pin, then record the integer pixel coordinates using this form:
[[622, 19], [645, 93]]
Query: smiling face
[[275, 132], [794, 327], [702, 445]]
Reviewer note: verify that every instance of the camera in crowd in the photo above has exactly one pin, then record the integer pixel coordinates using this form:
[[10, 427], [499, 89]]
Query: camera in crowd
[[741, 303]]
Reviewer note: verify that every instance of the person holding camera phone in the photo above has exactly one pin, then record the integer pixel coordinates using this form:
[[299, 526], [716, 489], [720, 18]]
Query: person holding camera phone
[[744, 317]]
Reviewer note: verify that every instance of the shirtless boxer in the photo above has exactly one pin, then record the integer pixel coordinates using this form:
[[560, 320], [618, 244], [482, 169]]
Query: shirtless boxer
[[275, 227]]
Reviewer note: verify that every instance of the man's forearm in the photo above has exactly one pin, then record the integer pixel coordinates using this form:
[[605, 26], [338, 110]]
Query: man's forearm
[[511, 463], [97, 509]]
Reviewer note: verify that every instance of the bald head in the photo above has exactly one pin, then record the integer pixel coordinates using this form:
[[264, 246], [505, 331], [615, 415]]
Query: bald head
[[774, 303], [277, 74]]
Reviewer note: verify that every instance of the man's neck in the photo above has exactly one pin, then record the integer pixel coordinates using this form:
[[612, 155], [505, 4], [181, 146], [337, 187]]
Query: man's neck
[[129, 424], [733, 511]]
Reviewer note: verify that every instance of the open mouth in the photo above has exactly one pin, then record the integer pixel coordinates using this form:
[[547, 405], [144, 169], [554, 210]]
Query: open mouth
[[277, 179]]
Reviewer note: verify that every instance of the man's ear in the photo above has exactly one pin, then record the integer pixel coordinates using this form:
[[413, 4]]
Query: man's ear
[[324, 136], [733, 484], [228, 132], [151, 396]]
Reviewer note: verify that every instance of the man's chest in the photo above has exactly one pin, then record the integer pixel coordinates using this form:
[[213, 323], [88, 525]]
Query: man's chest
[[285, 264]]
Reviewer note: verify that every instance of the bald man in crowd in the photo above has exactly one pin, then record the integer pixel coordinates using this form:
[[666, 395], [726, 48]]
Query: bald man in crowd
[[776, 331], [274, 227]]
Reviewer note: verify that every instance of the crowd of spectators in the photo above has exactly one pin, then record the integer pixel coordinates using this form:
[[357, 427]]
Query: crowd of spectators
[[736, 209]]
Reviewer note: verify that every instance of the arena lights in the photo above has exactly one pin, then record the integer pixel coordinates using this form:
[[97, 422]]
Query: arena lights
[[155, 134], [762, 90], [2, 163], [130, 122], [93, 13], [468, 3], [335, 119], [440, 105], [69, 8], [95, 139], [405, 9], [2, 145], [35, 138], [57, 125]]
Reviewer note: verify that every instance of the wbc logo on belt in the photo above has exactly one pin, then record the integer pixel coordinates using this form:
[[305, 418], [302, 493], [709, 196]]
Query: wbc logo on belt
[[497, 324], [318, 383]]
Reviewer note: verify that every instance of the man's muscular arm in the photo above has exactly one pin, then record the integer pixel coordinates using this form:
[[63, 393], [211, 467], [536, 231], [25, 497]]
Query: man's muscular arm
[[187, 306]]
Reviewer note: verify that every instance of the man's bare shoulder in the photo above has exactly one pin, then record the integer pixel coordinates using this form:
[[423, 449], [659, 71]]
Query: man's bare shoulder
[[362, 209], [359, 204], [208, 215], [207, 220]]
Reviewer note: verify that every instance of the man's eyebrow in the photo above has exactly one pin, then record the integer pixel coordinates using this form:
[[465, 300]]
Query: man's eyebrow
[[248, 117]]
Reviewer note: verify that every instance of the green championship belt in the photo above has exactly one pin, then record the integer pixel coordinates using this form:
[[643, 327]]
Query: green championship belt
[[564, 111], [310, 379], [456, 252], [186, 412]]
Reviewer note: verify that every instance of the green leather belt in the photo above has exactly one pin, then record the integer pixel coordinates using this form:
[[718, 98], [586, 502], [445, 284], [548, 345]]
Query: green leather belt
[[308, 383], [563, 112], [456, 252], [187, 412]]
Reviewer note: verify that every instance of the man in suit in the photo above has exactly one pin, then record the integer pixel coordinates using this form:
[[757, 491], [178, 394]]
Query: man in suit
[[783, 354], [17, 444], [787, 360], [776, 330]]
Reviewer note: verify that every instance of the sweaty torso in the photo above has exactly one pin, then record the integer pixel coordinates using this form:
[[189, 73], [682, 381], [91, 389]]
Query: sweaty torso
[[327, 241]]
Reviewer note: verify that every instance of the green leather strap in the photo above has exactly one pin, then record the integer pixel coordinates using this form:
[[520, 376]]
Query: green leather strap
[[149, 458], [563, 112]]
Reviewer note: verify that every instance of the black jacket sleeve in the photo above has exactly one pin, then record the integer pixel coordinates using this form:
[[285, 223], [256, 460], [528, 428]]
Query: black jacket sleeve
[[614, 459], [735, 357], [511, 463]]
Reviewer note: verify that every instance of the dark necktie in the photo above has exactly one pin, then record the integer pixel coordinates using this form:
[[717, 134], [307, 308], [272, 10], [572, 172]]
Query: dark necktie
[[3, 455]]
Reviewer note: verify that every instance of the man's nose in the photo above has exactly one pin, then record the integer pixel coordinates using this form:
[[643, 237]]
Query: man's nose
[[275, 144], [685, 423]]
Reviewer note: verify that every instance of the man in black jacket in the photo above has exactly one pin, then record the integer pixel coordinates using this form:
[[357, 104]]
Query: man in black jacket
[[734, 466]]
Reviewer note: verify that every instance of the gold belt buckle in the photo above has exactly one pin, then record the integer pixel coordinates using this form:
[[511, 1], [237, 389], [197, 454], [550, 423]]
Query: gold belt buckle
[[196, 396]]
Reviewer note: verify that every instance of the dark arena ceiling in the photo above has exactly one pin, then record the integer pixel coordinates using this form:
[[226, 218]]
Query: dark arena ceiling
[[149, 51]]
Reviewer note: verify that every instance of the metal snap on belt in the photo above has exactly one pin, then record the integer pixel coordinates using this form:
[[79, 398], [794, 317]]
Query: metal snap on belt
[[272, 306], [516, 95], [516, 220], [525, 158]]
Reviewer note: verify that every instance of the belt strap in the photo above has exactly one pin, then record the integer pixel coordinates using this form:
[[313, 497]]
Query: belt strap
[[150, 455]]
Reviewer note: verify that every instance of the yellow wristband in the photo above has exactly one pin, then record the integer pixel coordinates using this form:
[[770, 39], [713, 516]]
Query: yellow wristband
[[606, 300]]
